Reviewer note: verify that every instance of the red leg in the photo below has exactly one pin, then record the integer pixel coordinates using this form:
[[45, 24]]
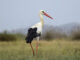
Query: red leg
[[32, 49], [37, 45], [36, 48]]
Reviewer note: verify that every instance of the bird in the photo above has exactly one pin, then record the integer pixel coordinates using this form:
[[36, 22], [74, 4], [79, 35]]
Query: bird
[[35, 31]]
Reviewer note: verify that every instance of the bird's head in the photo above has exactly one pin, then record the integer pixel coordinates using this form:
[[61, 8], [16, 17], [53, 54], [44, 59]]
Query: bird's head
[[44, 13]]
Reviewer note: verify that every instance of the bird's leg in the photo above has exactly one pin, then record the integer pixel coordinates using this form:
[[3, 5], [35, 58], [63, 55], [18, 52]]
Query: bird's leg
[[36, 48], [37, 45], [32, 49]]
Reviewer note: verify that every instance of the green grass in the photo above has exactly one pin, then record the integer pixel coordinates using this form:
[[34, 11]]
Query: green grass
[[48, 50]]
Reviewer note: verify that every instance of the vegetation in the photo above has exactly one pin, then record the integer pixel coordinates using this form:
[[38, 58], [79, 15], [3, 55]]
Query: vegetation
[[7, 37], [52, 50], [58, 46], [53, 34], [49, 34], [76, 34], [10, 37]]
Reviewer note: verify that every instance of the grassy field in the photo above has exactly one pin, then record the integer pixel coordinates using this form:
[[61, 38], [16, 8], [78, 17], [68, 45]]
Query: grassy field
[[48, 50]]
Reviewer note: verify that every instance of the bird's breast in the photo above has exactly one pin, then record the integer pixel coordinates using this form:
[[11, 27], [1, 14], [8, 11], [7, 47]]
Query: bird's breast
[[39, 27]]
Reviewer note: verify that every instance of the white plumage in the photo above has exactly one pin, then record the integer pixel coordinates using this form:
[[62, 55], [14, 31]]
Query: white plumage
[[38, 26]]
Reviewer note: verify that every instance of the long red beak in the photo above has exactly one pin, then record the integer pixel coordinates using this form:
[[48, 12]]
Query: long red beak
[[48, 15]]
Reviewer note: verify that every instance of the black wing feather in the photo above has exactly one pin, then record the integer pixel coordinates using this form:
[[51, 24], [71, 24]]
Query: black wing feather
[[32, 33]]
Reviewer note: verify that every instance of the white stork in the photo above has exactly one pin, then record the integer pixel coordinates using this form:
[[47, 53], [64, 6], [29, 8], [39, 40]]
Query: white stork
[[36, 30]]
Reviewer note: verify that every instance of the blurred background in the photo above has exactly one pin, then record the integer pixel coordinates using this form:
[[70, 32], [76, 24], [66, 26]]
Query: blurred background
[[60, 39], [16, 16]]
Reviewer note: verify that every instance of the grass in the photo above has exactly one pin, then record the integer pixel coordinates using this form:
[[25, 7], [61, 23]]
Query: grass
[[48, 50]]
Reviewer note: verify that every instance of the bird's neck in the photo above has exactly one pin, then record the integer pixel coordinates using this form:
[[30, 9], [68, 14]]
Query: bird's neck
[[41, 19]]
